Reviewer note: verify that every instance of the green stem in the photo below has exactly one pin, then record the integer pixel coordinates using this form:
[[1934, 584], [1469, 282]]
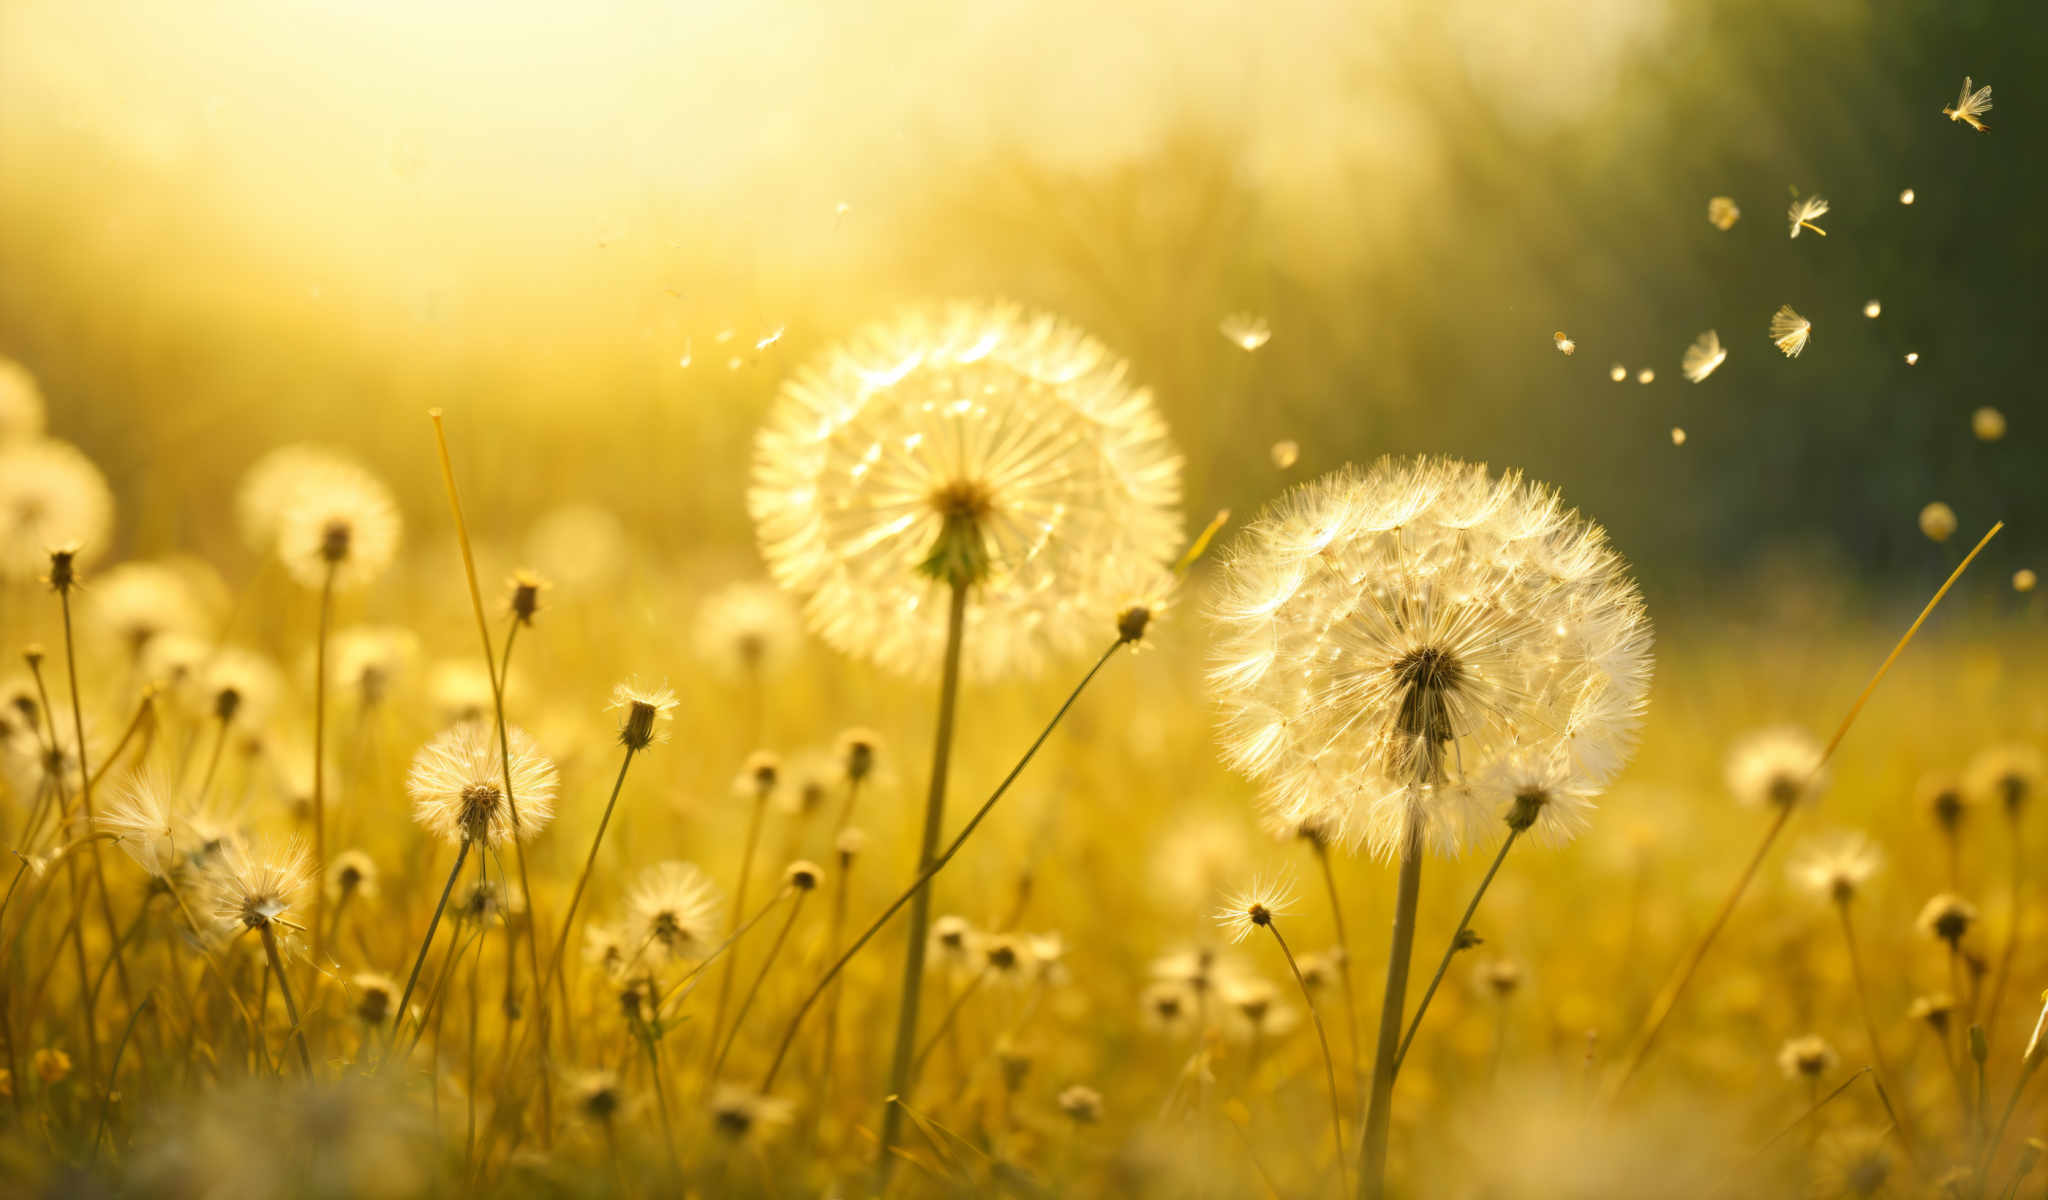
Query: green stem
[[420, 960], [291, 1008], [1329, 1064], [1344, 951], [319, 763], [739, 903], [1450, 951], [1378, 1117], [583, 879], [739, 1016]]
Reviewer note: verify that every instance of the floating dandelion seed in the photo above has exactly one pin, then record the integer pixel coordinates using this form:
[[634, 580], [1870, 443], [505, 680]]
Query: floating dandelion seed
[[21, 403], [1872, 308], [978, 445], [1938, 521], [1906, 197], [1988, 424], [1722, 213], [771, 338], [1646, 375], [51, 497], [1387, 636], [1257, 905], [1285, 454], [1912, 358], [1677, 436], [735, 363], [1969, 106], [2024, 579], [1805, 211], [1776, 767], [1837, 869], [1790, 331], [1565, 345], [688, 354], [457, 786], [1618, 373], [1246, 331], [142, 819], [1703, 356]]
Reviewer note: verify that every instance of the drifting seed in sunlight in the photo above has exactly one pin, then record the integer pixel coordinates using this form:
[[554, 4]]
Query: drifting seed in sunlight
[[1805, 211], [740, 1115], [1703, 356], [1388, 637], [1618, 373], [1969, 106], [841, 209], [1988, 424], [342, 523], [2024, 579], [1677, 436], [1646, 375], [735, 363], [1776, 767], [1837, 869], [1947, 918], [1722, 213], [1872, 308], [672, 910], [51, 496], [644, 714], [1286, 454], [1255, 906], [888, 473], [1938, 521], [771, 338], [1808, 1057], [457, 786], [1790, 332], [686, 358], [1083, 1105], [1906, 197], [1246, 331], [1565, 345]]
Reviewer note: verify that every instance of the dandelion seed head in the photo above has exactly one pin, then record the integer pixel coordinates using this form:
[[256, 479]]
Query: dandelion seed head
[[268, 487], [1933, 1009], [2007, 776], [1255, 907], [457, 785], [1246, 331], [1943, 797], [352, 873], [461, 692], [1703, 357], [1501, 976], [523, 593], [596, 1095], [975, 444], [340, 520], [1988, 424], [1938, 521], [1853, 1162], [1254, 1009], [1387, 637], [759, 776], [1946, 917], [52, 497], [1776, 767], [255, 888], [740, 1115], [1790, 332], [1167, 1007], [856, 750], [672, 913], [376, 996], [371, 660], [747, 629], [953, 943], [644, 713], [1722, 213], [580, 546], [1837, 868], [1807, 1057], [239, 687], [136, 602], [1082, 1105], [803, 875]]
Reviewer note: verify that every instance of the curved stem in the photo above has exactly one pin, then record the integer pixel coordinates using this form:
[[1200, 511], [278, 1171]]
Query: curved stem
[[1869, 1019], [739, 1016], [1372, 1158], [1329, 1064], [85, 782], [284, 988], [1343, 950], [420, 960], [583, 879], [2003, 973], [951, 1014], [1451, 950], [938, 864]]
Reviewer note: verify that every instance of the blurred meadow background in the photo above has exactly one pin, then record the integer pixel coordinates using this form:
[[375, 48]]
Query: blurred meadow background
[[600, 238]]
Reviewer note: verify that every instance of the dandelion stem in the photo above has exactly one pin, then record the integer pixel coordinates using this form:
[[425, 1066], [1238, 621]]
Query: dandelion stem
[[2028, 1066], [2003, 972], [583, 879], [1372, 1172], [1869, 1019], [739, 1016], [1451, 950], [1344, 956], [1815, 1107], [921, 897], [946, 1021], [1329, 1064], [99, 1129], [938, 864], [420, 960], [85, 780], [319, 761], [739, 903], [144, 709], [284, 988]]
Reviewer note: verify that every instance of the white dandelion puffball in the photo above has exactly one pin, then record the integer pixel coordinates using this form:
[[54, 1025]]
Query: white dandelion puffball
[[21, 403], [270, 484], [457, 784], [340, 521], [52, 497], [1402, 650], [1013, 434]]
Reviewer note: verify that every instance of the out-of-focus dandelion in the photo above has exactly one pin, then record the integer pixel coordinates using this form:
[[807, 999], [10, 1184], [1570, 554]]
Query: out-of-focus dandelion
[[370, 660], [138, 601], [1246, 331], [51, 1065], [1703, 356], [672, 914], [1988, 424], [259, 891], [1286, 454], [1722, 213], [1255, 906], [51, 497], [1947, 918], [743, 1116], [1808, 1057], [1677, 436], [747, 629], [457, 786], [1565, 345], [1837, 869], [1776, 767], [1969, 106], [339, 525], [1646, 375], [1790, 331], [1805, 211], [1618, 373], [375, 994], [269, 485], [1938, 521], [2024, 579], [1082, 1105]]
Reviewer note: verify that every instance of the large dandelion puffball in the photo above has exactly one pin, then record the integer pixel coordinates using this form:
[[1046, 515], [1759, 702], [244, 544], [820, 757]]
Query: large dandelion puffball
[[1014, 428], [51, 498], [1422, 648]]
